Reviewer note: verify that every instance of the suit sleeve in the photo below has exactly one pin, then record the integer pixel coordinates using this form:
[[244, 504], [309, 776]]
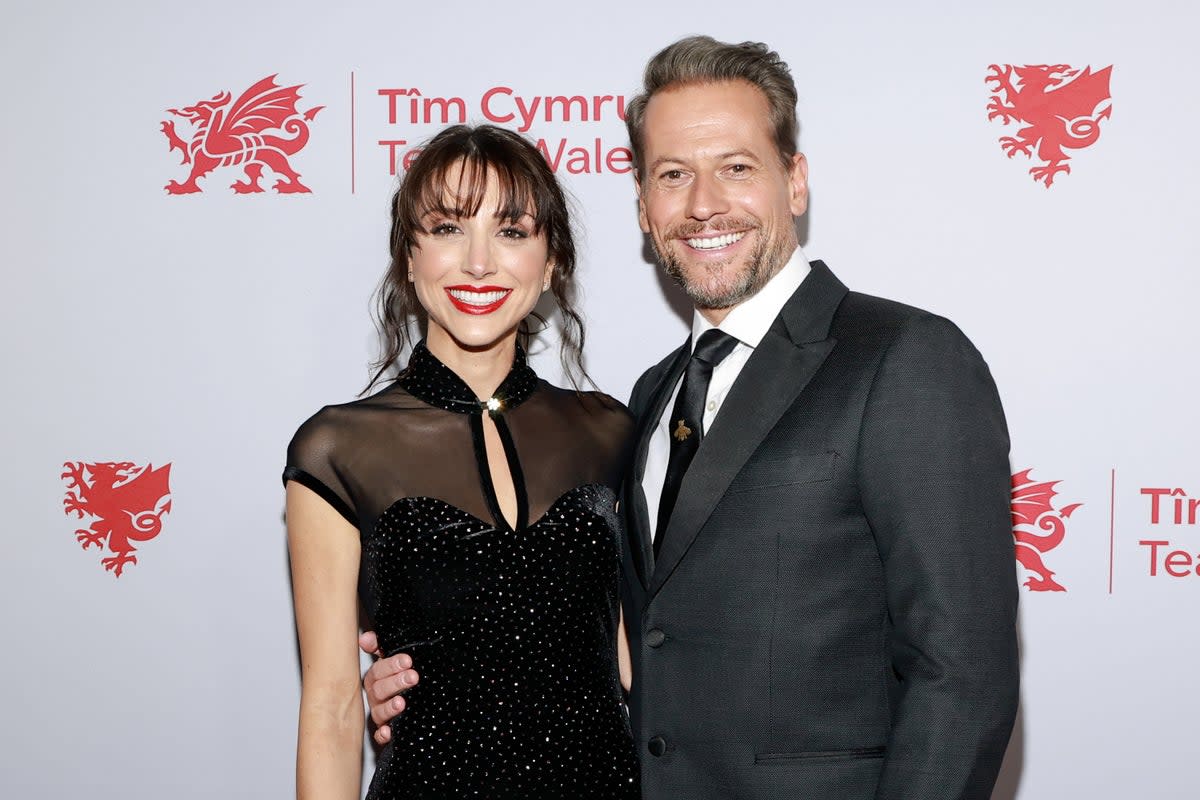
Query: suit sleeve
[[935, 482]]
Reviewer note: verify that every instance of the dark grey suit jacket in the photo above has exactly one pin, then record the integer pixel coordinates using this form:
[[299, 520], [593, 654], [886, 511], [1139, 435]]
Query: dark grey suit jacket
[[833, 611]]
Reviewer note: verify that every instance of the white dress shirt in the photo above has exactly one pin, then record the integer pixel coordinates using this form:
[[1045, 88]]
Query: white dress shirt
[[748, 322]]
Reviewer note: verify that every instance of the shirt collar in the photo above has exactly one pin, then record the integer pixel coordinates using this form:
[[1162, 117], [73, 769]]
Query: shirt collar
[[749, 320]]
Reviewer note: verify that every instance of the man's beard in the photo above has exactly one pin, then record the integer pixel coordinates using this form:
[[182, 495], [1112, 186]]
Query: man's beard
[[762, 263]]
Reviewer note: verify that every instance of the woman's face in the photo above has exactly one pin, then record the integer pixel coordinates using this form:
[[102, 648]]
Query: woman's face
[[477, 277]]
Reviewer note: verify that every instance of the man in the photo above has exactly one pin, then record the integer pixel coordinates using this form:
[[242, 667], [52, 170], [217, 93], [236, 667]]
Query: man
[[820, 593]]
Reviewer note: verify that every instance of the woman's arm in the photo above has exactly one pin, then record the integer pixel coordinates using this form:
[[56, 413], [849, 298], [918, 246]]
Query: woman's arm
[[624, 662], [324, 551]]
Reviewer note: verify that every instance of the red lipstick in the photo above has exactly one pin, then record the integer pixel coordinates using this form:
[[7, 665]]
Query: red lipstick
[[477, 299]]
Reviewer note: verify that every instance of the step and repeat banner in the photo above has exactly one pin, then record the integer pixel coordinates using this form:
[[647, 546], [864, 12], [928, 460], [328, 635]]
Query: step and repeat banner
[[1027, 169]]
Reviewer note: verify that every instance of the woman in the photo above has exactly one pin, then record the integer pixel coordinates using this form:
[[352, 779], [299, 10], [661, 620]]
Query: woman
[[471, 505]]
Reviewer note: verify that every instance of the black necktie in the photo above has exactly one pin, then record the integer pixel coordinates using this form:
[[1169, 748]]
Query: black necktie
[[685, 425]]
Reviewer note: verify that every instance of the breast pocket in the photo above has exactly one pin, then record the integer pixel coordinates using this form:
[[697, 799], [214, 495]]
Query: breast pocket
[[793, 470]]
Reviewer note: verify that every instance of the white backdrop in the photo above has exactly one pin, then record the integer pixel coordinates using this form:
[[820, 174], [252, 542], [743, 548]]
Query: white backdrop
[[199, 330]]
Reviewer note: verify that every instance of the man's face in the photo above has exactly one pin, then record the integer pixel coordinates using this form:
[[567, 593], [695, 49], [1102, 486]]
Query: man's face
[[714, 196]]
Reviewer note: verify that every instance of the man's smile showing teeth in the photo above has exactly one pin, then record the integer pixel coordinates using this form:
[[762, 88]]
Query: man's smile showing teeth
[[714, 242]]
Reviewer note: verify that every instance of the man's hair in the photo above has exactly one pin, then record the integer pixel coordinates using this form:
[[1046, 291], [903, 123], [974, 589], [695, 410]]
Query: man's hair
[[701, 60]]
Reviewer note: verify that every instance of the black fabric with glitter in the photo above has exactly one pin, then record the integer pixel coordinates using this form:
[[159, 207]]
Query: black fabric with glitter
[[512, 628]]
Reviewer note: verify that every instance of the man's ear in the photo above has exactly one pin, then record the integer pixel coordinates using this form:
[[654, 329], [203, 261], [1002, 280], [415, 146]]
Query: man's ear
[[798, 185]]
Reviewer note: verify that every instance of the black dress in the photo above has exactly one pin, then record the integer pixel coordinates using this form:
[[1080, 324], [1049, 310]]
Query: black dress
[[512, 629]]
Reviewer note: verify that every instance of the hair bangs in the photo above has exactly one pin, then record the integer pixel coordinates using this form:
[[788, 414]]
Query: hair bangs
[[458, 186]]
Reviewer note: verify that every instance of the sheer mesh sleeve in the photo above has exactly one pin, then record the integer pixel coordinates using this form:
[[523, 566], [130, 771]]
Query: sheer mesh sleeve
[[313, 459], [567, 440], [365, 456]]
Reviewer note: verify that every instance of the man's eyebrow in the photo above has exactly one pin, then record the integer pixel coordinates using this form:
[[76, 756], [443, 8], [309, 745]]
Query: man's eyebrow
[[739, 153], [742, 153], [658, 162]]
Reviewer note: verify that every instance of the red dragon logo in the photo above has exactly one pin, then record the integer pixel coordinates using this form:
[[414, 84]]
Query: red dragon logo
[[1060, 106], [128, 500], [259, 129], [1033, 507]]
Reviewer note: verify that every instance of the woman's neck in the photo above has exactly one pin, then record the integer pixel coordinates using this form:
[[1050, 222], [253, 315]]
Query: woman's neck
[[482, 369]]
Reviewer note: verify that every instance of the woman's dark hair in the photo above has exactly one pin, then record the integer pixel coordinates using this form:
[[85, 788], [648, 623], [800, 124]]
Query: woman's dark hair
[[526, 183]]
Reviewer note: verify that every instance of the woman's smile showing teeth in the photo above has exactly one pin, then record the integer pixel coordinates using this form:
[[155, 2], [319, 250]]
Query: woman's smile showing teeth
[[714, 242], [477, 299]]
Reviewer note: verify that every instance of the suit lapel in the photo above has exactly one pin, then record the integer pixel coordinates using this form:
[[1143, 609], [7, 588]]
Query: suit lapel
[[639, 516], [772, 379]]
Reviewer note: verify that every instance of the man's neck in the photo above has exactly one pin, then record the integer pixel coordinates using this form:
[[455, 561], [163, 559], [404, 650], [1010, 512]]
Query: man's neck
[[750, 319]]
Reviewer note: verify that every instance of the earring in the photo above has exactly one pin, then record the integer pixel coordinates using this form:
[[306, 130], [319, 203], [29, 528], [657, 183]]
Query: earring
[[546, 285], [410, 276]]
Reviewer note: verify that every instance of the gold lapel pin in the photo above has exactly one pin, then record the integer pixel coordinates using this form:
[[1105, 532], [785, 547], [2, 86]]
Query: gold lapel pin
[[682, 432]]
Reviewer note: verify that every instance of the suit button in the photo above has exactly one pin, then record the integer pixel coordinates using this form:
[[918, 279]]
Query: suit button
[[655, 637], [657, 746]]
